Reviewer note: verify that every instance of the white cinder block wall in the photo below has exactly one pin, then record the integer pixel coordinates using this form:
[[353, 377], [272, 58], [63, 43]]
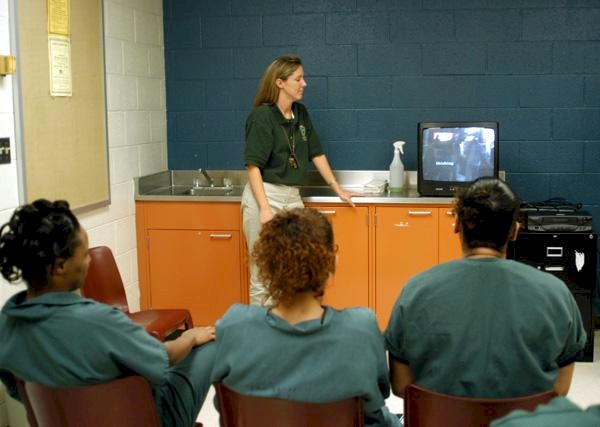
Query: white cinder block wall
[[137, 135], [137, 129]]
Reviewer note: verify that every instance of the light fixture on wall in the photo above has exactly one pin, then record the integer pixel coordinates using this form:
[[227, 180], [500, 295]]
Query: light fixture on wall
[[8, 65]]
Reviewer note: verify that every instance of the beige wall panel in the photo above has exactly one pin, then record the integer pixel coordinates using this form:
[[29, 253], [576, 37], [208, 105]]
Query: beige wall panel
[[64, 137]]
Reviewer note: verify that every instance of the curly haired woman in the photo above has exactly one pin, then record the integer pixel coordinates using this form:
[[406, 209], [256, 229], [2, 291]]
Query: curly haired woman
[[307, 352]]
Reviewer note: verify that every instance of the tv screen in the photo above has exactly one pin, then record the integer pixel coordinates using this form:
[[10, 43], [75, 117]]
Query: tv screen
[[454, 154]]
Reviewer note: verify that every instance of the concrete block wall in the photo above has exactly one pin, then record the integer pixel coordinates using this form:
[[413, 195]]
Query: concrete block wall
[[135, 85], [375, 68]]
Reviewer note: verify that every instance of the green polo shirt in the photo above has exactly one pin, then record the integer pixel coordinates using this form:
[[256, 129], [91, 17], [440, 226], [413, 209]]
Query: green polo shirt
[[268, 146]]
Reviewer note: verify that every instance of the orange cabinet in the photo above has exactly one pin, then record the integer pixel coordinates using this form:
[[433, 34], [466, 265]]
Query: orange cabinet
[[349, 287], [406, 243], [192, 254], [195, 269], [190, 257], [448, 242]]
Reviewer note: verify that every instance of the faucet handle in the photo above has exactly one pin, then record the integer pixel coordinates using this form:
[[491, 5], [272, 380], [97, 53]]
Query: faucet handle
[[210, 181]]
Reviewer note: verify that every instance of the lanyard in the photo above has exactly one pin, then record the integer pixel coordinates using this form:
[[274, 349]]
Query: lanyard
[[291, 141]]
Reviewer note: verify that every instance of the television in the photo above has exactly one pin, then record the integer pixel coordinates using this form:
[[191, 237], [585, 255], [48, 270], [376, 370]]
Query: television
[[451, 155]]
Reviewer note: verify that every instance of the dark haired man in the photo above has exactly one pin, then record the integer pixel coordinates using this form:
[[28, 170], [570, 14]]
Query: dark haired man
[[485, 326]]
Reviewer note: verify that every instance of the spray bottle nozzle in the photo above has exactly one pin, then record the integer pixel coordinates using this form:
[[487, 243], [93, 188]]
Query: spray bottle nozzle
[[399, 145]]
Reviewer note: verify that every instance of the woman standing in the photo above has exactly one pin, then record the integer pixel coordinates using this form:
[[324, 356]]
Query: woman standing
[[308, 352], [280, 142]]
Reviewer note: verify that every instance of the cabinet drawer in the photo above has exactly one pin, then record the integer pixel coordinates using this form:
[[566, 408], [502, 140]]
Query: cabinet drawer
[[190, 215], [569, 256]]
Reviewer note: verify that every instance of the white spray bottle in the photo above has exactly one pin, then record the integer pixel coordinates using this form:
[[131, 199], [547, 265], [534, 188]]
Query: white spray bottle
[[397, 168]]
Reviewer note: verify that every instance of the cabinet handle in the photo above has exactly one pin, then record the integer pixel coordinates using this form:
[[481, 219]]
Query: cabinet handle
[[554, 251], [402, 224], [449, 213], [332, 212], [220, 236], [550, 268], [422, 213]]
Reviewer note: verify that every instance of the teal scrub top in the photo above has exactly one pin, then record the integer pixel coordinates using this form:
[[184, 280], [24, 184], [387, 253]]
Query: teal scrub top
[[559, 412], [322, 360], [63, 340], [485, 328]]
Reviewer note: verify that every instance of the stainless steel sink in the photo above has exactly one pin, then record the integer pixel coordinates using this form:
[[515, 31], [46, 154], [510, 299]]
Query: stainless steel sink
[[208, 191]]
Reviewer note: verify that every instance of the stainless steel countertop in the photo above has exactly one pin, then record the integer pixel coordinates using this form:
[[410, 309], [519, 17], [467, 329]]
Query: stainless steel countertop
[[173, 186]]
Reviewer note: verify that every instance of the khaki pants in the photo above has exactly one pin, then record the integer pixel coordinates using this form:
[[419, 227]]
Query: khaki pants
[[280, 197]]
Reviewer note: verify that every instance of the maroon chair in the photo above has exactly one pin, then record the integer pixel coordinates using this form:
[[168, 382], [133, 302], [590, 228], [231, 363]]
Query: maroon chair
[[122, 402], [428, 408], [103, 283], [239, 410]]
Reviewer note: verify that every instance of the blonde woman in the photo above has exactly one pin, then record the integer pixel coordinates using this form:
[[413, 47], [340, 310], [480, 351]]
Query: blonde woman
[[280, 143]]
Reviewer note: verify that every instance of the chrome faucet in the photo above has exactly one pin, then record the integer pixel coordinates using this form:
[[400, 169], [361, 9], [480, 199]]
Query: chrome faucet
[[211, 181]]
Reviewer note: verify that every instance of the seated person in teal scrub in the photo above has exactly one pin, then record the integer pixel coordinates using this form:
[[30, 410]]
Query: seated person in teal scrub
[[53, 336], [559, 412], [299, 349], [485, 326]]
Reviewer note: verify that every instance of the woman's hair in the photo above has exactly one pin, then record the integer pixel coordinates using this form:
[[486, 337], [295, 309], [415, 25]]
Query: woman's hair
[[487, 211], [295, 253], [281, 68], [34, 237]]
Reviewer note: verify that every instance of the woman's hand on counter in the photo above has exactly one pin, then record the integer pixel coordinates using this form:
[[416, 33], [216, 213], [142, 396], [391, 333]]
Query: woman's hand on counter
[[324, 169], [346, 196]]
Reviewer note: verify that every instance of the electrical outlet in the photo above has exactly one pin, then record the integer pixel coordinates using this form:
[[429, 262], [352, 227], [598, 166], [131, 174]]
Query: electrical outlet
[[4, 150]]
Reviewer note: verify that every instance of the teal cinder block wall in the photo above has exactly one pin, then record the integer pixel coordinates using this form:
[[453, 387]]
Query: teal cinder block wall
[[375, 68]]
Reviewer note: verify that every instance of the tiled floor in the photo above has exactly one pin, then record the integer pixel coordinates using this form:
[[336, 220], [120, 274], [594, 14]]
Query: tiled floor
[[585, 390]]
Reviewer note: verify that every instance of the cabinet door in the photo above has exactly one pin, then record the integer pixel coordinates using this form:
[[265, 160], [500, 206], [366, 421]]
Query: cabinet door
[[449, 243], [349, 287], [405, 244], [195, 269]]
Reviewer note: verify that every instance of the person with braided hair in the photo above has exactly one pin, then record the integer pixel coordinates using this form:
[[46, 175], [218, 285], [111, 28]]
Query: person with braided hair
[[52, 336], [484, 326]]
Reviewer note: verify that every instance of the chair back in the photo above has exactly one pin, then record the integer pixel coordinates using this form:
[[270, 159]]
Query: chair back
[[424, 407], [248, 411], [119, 403], [103, 282]]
